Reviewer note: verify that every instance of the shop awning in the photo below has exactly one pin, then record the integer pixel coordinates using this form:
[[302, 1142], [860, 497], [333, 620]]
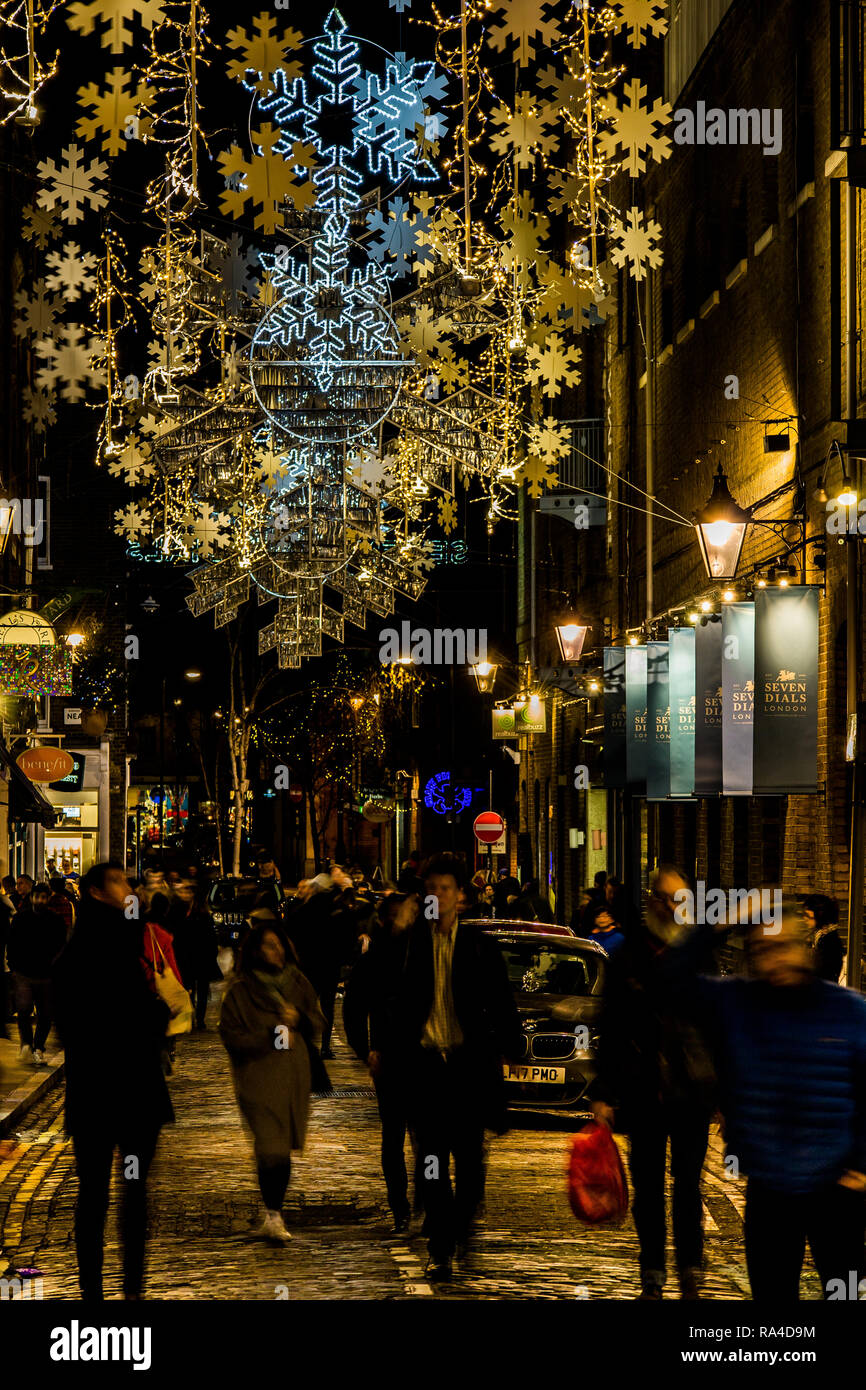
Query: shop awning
[[26, 801]]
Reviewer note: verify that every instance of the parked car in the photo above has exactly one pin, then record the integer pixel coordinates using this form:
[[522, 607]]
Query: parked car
[[515, 924], [558, 983], [230, 901]]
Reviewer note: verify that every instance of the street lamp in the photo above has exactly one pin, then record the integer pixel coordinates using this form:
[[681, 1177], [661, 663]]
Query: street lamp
[[485, 676], [721, 526], [571, 637]]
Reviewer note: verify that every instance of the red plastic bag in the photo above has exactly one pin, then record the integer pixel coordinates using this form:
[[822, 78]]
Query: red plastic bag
[[597, 1189]]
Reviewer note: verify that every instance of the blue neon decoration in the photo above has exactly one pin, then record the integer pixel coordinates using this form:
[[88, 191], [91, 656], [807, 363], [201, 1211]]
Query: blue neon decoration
[[329, 335], [359, 123], [442, 795]]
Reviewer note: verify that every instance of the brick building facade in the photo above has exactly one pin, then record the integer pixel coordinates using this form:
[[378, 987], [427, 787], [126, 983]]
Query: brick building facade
[[744, 324]]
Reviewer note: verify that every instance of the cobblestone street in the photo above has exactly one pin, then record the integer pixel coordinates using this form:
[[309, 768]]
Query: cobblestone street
[[203, 1199]]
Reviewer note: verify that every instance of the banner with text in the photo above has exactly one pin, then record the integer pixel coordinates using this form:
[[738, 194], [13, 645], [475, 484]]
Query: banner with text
[[658, 748], [738, 692], [786, 691], [614, 717], [681, 678], [708, 709], [635, 715]]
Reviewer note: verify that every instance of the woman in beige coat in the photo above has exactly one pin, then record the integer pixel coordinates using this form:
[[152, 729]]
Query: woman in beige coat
[[269, 1013]]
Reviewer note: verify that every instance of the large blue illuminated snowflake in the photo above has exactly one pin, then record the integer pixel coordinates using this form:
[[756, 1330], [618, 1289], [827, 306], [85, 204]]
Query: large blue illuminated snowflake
[[326, 361], [360, 123]]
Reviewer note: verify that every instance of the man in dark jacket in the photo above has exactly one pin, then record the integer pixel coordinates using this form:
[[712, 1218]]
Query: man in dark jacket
[[112, 1026], [323, 932], [455, 1019], [791, 1050], [36, 937], [368, 1018], [654, 1067]]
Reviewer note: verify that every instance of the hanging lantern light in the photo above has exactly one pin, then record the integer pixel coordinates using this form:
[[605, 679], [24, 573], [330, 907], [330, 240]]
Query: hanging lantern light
[[485, 676], [571, 637], [721, 526]]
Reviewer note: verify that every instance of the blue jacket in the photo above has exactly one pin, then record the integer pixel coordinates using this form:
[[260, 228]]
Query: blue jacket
[[792, 1070]]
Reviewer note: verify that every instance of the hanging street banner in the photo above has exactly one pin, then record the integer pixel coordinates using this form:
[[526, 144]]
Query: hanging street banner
[[681, 684], [530, 716], [708, 709], [658, 746], [786, 691], [738, 697], [614, 717], [503, 723], [635, 717]]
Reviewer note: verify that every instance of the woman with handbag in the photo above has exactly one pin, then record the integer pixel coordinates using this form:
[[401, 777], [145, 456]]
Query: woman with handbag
[[112, 1025], [164, 976], [269, 1013]]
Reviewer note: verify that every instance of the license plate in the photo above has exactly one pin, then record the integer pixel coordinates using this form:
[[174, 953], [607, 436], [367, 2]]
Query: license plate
[[534, 1075]]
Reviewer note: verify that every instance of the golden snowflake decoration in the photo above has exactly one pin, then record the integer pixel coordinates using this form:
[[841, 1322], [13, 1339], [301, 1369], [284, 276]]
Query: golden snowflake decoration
[[524, 132], [525, 23], [553, 364], [40, 225], [71, 271], [133, 521], [637, 244], [537, 473], [118, 16], [638, 16], [447, 515], [112, 109], [268, 179], [634, 129], [264, 52]]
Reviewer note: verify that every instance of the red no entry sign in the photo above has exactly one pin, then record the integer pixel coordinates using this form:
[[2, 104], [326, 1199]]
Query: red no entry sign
[[488, 827]]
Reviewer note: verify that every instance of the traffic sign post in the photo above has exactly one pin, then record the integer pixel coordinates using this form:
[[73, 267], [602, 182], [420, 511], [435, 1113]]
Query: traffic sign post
[[489, 830], [488, 827]]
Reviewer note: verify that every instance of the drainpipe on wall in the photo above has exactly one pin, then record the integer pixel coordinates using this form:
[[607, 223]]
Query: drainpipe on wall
[[858, 820]]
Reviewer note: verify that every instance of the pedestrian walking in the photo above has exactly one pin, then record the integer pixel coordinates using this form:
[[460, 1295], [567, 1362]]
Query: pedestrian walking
[[454, 1020], [61, 901], [158, 953], [195, 944], [821, 916], [792, 1065], [654, 1068], [21, 892], [323, 932], [36, 937], [601, 925], [368, 1018], [269, 1011], [112, 1025], [532, 906]]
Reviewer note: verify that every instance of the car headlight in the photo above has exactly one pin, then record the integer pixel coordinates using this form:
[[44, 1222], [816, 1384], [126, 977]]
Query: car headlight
[[218, 918]]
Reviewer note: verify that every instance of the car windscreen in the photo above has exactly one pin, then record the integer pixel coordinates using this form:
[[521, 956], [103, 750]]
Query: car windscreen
[[229, 894], [548, 969]]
